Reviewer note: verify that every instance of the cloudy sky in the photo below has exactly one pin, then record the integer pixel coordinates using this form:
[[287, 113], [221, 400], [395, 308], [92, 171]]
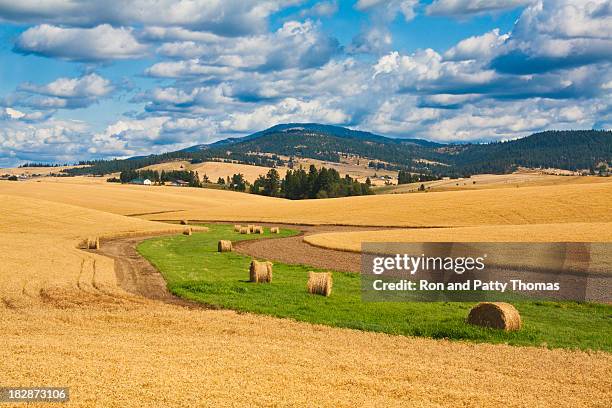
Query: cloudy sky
[[84, 79]]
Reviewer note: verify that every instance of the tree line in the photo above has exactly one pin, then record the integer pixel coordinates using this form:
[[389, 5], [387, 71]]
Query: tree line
[[190, 177], [405, 177], [299, 184]]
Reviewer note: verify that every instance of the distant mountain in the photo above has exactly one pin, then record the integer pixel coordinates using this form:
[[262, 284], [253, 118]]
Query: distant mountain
[[570, 150], [314, 128]]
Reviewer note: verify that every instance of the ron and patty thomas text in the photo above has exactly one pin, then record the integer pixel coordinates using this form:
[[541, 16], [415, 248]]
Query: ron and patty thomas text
[[459, 265]]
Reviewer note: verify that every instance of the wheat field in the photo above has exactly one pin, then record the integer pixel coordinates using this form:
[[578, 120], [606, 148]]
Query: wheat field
[[566, 232], [576, 203], [66, 322]]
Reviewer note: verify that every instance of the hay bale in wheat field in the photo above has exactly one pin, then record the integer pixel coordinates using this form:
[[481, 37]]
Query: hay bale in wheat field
[[251, 228], [260, 272], [224, 246], [93, 243], [184, 222], [187, 231], [237, 227], [274, 230], [497, 315], [320, 283], [244, 230]]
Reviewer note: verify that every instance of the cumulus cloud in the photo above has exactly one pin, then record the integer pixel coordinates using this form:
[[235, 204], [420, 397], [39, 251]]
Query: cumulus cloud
[[228, 17], [320, 9], [462, 8], [287, 110], [294, 45], [376, 37], [100, 43], [67, 93], [481, 47], [47, 141], [558, 34]]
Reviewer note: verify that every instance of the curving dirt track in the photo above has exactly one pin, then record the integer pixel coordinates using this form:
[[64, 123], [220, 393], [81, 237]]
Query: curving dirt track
[[135, 274]]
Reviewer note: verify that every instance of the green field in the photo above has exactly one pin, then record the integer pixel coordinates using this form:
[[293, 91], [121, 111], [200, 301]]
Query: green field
[[195, 271]]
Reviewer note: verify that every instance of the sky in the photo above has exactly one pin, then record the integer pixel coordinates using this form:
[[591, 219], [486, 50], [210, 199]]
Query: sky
[[82, 79]]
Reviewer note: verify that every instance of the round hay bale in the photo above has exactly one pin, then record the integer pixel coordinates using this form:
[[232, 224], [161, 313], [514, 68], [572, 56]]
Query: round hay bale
[[497, 315], [244, 230], [237, 227], [320, 283], [275, 230], [93, 243], [184, 222], [187, 231], [224, 246], [260, 272]]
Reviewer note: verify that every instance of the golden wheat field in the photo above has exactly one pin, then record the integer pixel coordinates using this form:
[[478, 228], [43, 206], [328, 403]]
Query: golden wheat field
[[66, 322], [518, 179], [561, 232], [576, 203]]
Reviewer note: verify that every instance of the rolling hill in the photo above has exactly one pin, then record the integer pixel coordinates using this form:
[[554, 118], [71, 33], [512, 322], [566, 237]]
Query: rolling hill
[[574, 150]]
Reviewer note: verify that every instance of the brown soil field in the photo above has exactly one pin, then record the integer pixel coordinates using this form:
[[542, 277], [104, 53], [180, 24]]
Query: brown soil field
[[67, 321]]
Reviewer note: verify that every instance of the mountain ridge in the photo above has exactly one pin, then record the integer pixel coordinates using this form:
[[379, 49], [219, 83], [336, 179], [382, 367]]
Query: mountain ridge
[[574, 150]]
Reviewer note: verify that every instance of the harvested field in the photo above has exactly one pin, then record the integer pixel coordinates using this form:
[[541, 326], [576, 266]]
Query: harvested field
[[569, 232], [493, 181], [68, 322], [576, 203]]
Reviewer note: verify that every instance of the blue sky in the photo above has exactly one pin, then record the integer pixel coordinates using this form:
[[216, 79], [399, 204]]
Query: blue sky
[[80, 79]]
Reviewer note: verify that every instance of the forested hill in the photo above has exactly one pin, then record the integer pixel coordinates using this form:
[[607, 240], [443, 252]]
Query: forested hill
[[570, 150]]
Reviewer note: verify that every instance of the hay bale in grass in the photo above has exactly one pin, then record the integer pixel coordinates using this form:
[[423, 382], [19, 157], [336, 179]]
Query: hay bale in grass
[[244, 230], [187, 231], [251, 228], [258, 230], [497, 315], [260, 272], [93, 243], [274, 230], [237, 227], [224, 246], [320, 283], [184, 222]]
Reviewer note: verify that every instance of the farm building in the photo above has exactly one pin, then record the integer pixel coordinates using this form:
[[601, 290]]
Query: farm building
[[144, 182]]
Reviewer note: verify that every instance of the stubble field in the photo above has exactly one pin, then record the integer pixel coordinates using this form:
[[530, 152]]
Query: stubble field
[[66, 322]]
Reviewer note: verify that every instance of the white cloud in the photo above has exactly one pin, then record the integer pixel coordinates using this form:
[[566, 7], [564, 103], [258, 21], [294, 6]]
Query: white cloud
[[287, 110], [389, 8], [472, 7], [189, 68], [293, 45], [227, 17], [376, 37], [87, 86], [81, 44], [482, 47], [184, 49], [63, 93], [558, 34], [321, 9]]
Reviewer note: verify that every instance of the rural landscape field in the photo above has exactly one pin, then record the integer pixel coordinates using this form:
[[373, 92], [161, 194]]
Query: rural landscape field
[[306, 203]]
